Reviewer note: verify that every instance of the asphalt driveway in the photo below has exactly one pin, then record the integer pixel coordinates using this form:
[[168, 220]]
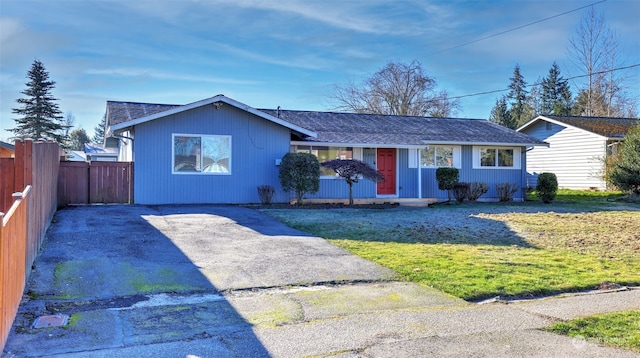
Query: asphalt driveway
[[227, 281]]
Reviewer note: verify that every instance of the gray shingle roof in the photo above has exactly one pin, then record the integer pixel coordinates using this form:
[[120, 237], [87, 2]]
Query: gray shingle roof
[[604, 126], [120, 112], [378, 129], [364, 129]]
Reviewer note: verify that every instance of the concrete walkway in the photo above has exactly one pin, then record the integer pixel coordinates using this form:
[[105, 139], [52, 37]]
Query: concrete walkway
[[216, 281]]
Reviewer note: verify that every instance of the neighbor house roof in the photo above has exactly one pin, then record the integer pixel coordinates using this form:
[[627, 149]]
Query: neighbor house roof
[[377, 130], [96, 150], [122, 115], [6, 145], [604, 126]]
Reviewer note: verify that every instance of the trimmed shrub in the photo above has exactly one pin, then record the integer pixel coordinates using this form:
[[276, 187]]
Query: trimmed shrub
[[446, 177], [547, 187], [300, 173], [460, 191], [506, 191], [476, 190], [265, 192]]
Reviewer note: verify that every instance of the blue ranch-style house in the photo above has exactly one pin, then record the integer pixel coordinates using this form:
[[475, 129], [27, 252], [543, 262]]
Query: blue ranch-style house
[[219, 150]]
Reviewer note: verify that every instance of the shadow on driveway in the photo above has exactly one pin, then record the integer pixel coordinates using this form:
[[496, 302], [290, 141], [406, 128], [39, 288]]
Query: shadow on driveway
[[147, 281]]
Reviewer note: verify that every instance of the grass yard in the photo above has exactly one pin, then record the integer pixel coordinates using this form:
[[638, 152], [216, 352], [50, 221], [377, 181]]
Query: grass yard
[[620, 329], [476, 251]]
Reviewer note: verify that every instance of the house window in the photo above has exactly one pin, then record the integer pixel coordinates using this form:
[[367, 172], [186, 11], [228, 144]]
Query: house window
[[491, 157], [439, 156], [201, 154], [325, 153]]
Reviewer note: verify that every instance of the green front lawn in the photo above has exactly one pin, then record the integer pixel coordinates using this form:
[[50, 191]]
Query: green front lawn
[[581, 196], [620, 329], [484, 250]]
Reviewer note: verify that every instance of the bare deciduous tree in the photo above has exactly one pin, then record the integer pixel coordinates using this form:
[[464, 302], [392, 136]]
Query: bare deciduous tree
[[594, 49], [396, 89]]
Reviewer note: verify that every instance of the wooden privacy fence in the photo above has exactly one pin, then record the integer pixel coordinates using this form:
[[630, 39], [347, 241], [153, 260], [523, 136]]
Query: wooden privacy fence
[[95, 182], [33, 174], [13, 272]]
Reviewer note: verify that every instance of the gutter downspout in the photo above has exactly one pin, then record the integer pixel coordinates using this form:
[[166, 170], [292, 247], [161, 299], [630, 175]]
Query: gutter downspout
[[419, 174]]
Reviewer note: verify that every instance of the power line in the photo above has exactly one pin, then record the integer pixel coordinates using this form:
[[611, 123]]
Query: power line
[[516, 28], [538, 83]]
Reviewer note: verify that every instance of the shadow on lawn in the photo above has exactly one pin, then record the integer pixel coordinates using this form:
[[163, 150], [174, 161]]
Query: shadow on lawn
[[471, 231]]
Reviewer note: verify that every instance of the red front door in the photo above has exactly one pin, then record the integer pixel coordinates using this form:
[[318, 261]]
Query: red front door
[[386, 160]]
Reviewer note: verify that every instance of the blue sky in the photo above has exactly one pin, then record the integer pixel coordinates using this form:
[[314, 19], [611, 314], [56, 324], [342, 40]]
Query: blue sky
[[285, 53]]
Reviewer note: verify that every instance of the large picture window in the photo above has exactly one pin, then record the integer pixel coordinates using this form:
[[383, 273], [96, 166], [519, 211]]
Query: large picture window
[[325, 154], [491, 157], [201, 154]]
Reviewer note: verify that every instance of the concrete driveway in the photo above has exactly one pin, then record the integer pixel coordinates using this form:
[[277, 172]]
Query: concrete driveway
[[227, 281]]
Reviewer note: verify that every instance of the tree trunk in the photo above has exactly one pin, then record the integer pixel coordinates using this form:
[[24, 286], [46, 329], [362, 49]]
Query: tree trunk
[[350, 194]]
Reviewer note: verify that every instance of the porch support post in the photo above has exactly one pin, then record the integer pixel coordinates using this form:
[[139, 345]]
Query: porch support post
[[419, 175]]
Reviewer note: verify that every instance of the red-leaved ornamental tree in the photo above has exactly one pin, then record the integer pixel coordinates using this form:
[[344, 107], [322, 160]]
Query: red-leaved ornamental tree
[[352, 170]]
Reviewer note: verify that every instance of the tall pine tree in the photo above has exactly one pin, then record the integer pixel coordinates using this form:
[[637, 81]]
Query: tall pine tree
[[518, 96], [556, 95], [40, 117], [98, 131]]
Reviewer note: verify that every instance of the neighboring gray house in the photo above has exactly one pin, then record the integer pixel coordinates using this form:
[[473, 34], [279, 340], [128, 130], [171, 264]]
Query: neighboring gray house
[[98, 153], [577, 148], [218, 150]]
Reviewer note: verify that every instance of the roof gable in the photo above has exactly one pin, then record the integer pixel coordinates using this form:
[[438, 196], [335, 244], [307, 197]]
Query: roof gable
[[121, 115], [603, 126]]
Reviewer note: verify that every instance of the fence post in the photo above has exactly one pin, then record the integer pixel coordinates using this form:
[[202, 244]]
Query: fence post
[[3, 330]]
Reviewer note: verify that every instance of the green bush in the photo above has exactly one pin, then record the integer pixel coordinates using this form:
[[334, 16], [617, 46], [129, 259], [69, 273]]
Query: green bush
[[300, 172], [547, 187], [446, 178]]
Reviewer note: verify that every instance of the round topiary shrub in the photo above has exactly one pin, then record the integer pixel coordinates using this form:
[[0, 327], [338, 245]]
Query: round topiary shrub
[[547, 187]]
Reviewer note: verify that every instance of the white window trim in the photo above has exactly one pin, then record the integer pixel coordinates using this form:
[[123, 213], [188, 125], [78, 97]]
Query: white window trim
[[457, 157], [516, 158], [173, 156]]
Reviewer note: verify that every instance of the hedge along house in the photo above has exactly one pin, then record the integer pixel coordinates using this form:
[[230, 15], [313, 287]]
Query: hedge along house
[[218, 150]]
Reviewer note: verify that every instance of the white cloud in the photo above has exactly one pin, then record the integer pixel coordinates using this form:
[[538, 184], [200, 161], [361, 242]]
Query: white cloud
[[140, 72]]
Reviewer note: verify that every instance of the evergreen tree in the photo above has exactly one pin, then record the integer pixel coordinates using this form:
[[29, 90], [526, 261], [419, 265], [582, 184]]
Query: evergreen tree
[[556, 94], [500, 114], [518, 97], [77, 139], [40, 117], [98, 131], [626, 171]]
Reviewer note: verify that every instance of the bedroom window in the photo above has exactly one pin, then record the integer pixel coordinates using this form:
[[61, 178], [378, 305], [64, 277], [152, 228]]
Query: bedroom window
[[201, 154], [500, 158], [439, 156]]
